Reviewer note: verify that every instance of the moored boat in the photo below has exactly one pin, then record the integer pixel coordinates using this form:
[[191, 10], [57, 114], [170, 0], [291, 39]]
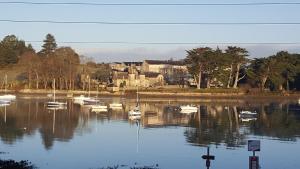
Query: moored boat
[[247, 116], [4, 103], [136, 111], [80, 99], [8, 97], [55, 103], [188, 109]]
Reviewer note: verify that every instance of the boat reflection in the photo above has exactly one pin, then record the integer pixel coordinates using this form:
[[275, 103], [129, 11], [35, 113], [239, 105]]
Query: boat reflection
[[211, 124]]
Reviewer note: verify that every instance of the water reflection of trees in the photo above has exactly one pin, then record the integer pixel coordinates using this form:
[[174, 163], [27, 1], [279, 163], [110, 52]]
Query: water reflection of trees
[[29, 116], [221, 124], [213, 124], [278, 121]]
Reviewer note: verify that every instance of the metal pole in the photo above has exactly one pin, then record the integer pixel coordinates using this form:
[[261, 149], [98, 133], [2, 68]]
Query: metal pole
[[207, 161]]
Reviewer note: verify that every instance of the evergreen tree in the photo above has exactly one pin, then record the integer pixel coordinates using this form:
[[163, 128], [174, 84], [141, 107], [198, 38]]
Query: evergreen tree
[[49, 46], [10, 50]]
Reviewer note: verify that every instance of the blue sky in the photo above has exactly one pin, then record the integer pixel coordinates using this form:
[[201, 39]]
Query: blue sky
[[154, 33]]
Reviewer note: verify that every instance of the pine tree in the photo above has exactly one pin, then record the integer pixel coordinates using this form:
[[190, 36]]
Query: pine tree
[[49, 46]]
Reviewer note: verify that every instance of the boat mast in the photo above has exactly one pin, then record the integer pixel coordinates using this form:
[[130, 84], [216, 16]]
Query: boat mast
[[137, 96], [5, 83], [89, 86], [54, 90]]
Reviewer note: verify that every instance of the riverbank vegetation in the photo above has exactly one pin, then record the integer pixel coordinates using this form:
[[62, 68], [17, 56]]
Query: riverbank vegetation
[[232, 67], [213, 70]]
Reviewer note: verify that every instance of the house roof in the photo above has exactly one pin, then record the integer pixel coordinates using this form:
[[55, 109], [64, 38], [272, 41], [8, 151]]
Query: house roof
[[165, 62], [133, 63]]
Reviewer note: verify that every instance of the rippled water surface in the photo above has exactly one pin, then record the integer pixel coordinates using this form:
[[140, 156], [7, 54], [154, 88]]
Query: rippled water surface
[[79, 139]]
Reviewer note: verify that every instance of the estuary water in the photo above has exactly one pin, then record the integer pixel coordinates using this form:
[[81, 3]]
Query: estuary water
[[163, 138]]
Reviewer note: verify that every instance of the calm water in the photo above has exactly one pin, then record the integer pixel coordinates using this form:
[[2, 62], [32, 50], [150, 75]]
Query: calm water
[[78, 139]]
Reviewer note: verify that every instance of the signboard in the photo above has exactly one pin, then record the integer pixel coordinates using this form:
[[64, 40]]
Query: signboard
[[253, 162], [253, 145]]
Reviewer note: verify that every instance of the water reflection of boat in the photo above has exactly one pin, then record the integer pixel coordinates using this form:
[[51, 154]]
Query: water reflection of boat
[[150, 113], [57, 108], [188, 109], [135, 112], [247, 116], [116, 106], [99, 108], [4, 103]]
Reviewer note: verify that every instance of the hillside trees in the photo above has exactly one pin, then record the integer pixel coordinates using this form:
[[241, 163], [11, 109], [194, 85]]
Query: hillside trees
[[11, 48]]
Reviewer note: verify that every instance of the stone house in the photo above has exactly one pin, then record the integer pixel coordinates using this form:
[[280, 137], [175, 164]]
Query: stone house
[[133, 78], [164, 66]]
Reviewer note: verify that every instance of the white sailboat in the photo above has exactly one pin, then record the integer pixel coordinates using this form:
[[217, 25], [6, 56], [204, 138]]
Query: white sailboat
[[188, 109], [8, 97], [136, 112], [83, 100], [247, 116], [55, 103], [80, 99]]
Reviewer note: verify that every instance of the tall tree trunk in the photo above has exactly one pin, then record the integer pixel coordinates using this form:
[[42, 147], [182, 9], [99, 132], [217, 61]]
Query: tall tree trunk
[[230, 76], [237, 75], [45, 84], [263, 82], [287, 85], [66, 84], [208, 83], [37, 80], [29, 80], [60, 84], [280, 87], [200, 77]]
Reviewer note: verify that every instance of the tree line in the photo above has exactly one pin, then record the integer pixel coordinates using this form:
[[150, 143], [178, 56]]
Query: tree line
[[230, 67], [51, 62]]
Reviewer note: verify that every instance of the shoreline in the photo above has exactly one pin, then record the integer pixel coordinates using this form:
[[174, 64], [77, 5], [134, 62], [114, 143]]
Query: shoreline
[[164, 94]]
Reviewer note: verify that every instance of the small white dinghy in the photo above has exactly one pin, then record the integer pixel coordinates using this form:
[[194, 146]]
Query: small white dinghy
[[90, 101], [4, 103], [247, 116], [188, 109], [80, 99], [8, 97]]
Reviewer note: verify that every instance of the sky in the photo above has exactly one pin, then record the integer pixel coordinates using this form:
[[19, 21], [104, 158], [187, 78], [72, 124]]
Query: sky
[[154, 33]]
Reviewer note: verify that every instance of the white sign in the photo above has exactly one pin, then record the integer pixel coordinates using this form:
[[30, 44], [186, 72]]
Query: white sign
[[253, 145]]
